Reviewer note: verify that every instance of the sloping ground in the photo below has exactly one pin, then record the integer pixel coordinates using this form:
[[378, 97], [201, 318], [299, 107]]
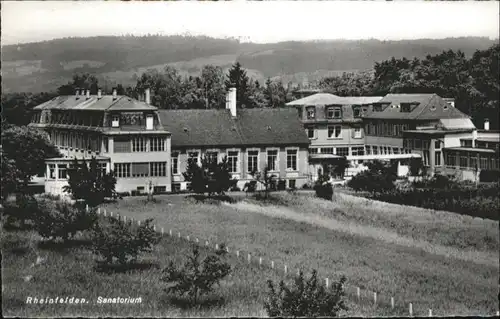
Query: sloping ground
[[421, 269]]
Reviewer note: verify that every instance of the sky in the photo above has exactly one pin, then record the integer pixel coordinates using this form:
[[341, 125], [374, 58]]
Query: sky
[[263, 22]]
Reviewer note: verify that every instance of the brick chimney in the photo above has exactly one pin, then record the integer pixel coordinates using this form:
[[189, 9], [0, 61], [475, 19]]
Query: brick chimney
[[99, 93], [147, 96], [114, 94], [486, 124], [231, 101]]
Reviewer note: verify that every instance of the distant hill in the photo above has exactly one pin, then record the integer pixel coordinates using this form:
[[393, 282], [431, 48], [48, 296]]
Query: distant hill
[[43, 66]]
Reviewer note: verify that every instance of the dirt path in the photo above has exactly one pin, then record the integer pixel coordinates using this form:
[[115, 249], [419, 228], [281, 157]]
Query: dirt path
[[483, 258]]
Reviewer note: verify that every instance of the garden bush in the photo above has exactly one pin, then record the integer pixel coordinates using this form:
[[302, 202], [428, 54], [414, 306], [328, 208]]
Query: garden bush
[[196, 278], [323, 187], [489, 176], [62, 220], [117, 241], [21, 211], [307, 298]]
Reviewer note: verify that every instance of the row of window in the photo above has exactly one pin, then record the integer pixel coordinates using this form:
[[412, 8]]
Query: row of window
[[151, 169], [334, 131], [471, 161], [421, 144], [62, 170], [359, 150], [76, 140], [139, 144], [341, 151], [385, 129], [253, 159], [331, 112], [73, 118]]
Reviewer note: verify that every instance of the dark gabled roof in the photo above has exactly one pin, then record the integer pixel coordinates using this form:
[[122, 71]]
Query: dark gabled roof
[[105, 103], [193, 128], [429, 107]]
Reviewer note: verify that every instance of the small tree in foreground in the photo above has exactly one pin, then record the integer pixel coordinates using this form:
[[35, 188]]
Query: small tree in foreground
[[211, 177], [116, 240], [323, 187], [307, 298], [196, 277], [62, 220]]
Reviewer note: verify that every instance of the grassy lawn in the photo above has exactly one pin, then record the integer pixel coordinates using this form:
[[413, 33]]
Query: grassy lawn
[[69, 270], [444, 261]]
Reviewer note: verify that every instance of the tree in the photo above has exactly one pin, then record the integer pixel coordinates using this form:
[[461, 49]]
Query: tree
[[349, 84], [89, 182], [211, 177], [306, 298], [416, 166], [378, 178], [84, 81], [275, 93], [237, 78], [24, 150], [212, 83], [196, 277], [341, 165], [17, 108], [265, 178]]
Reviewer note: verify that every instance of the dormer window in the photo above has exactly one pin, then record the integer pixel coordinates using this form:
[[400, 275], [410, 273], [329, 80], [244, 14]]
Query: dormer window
[[115, 122], [445, 106], [357, 112], [377, 107], [334, 112], [311, 112], [406, 108], [149, 122]]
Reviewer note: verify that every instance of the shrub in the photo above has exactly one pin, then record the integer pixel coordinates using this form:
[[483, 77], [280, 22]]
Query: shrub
[[23, 210], [489, 175], [323, 187], [211, 177], [116, 240], [196, 278], [60, 219], [306, 298]]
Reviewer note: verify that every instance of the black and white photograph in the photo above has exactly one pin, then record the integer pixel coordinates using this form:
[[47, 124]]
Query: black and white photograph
[[250, 159]]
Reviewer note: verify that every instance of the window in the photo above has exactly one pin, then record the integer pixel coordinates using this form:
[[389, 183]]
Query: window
[[410, 143], [360, 150], [405, 107], [253, 161], [343, 151], [426, 158], [437, 145], [158, 169], [327, 150], [52, 171], [115, 121], [175, 163], [425, 145], [484, 163], [357, 112], [466, 143], [63, 170], [375, 150], [291, 183], [102, 168], [272, 159], [311, 112], [232, 160], [368, 150], [313, 150], [139, 144], [473, 161], [140, 169], [437, 158], [159, 189], [357, 132], [157, 144], [212, 156], [291, 160], [194, 156], [395, 150], [122, 169], [463, 161], [450, 160], [121, 145], [334, 112], [334, 131], [310, 132]]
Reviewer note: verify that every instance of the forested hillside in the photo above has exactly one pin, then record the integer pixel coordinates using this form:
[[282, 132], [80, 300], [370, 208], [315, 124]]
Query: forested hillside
[[44, 66]]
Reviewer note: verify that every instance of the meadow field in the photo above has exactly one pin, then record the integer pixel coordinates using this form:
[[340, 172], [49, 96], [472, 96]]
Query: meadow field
[[435, 260]]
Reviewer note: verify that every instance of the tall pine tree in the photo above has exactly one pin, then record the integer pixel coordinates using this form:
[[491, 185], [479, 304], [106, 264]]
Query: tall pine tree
[[237, 78]]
